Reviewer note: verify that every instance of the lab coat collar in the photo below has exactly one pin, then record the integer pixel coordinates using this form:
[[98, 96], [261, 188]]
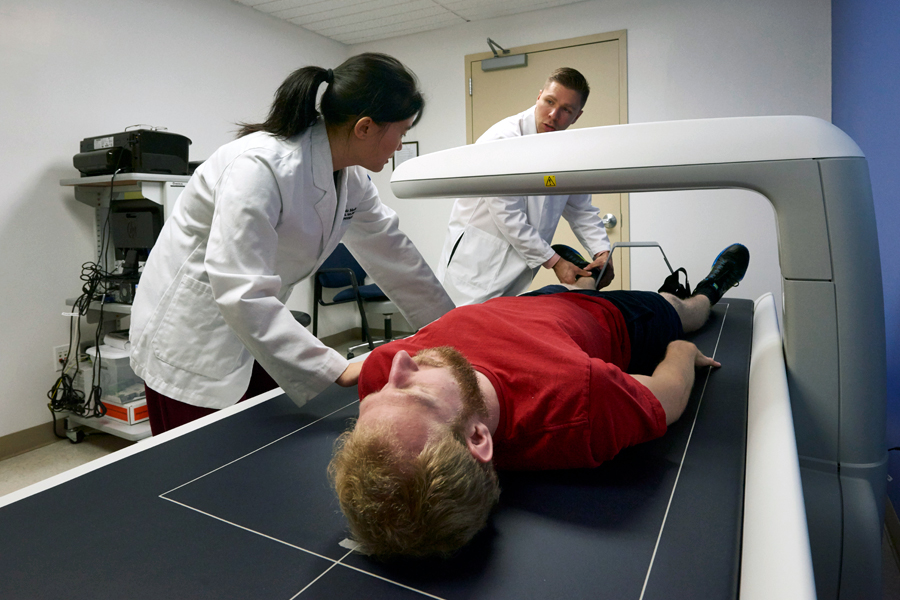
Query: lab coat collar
[[320, 152], [529, 126], [329, 205]]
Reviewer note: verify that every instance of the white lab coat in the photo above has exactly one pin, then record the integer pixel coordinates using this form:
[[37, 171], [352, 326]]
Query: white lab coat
[[497, 244], [256, 218]]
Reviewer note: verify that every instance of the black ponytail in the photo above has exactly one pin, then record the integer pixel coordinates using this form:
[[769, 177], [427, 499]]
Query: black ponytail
[[294, 107], [366, 85]]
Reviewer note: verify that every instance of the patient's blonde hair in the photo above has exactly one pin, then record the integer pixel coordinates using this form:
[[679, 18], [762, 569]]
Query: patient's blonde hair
[[430, 505]]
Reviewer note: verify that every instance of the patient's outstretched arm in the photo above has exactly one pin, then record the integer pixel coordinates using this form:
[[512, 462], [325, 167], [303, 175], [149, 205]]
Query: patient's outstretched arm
[[673, 378]]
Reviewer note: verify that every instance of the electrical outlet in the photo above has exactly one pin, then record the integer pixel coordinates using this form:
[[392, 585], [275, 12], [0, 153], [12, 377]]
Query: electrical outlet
[[59, 356]]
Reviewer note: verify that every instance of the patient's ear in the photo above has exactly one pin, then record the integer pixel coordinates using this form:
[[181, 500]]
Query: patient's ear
[[480, 442]]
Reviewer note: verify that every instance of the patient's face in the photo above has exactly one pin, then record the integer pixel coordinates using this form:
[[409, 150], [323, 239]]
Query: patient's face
[[424, 395]]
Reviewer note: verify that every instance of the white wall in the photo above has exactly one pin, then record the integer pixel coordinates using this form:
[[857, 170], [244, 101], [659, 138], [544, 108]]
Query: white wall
[[686, 59], [71, 70]]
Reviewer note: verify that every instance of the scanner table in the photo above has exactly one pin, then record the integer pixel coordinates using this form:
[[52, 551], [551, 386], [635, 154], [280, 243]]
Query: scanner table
[[238, 505]]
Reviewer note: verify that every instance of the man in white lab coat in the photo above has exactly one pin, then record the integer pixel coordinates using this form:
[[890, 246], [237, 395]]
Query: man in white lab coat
[[495, 245]]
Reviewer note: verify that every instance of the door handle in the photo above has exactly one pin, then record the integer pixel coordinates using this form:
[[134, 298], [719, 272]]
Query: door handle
[[609, 221]]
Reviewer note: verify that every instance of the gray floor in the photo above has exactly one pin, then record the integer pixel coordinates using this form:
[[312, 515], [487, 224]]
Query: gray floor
[[31, 467], [25, 469]]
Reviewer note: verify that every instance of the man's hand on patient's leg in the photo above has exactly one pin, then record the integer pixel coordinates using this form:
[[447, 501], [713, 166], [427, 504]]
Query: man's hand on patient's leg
[[566, 272]]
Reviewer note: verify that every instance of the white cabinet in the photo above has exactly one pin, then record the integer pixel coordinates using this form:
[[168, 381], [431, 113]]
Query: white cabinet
[[131, 191]]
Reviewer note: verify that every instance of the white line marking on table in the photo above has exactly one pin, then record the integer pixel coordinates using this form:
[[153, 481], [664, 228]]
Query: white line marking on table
[[681, 464], [163, 495]]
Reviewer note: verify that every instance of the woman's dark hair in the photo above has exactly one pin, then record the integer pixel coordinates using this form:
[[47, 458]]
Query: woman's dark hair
[[371, 85]]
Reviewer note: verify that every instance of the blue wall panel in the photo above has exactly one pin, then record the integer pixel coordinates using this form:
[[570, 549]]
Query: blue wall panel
[[866, 104]]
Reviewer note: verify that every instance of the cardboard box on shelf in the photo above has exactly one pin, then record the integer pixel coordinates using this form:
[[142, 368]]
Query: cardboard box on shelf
[[135, 412]]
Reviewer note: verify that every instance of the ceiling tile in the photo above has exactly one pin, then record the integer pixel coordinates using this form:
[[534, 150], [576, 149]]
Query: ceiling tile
[[376, 19], [318, 10], [358, 21]]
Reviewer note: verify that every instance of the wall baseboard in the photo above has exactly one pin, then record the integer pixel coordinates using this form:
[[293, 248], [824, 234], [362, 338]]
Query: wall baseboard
[[27, 440], [342, 337], [355, 334]]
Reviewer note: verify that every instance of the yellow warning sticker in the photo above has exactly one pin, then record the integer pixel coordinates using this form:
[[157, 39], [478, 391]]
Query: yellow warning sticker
[[549, 180]]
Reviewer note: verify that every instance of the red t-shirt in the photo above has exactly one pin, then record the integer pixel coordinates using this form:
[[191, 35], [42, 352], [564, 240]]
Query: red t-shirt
[[557, 363]]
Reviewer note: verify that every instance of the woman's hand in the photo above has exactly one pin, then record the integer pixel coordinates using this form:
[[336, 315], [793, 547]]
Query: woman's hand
[[350, 375]]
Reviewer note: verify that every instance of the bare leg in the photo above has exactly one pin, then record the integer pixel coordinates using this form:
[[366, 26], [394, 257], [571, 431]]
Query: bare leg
[[582, 283], [585, 283], [694, 311]]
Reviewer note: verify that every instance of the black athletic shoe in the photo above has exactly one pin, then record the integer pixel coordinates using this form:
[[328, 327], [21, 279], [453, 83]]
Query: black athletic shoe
[[727, 271], [570, 254]]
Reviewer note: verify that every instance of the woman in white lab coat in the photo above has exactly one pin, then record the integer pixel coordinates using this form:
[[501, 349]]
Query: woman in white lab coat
[[263, 213]]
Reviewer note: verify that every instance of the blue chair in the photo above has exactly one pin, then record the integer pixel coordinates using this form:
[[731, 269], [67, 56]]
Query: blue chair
[[341, 270]]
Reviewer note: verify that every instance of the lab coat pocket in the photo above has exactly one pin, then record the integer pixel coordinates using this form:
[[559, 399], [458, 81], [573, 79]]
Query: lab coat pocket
[[477, 262], [193, 334]]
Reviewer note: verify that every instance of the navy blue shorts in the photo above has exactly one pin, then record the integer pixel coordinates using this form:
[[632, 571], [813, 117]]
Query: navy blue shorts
[[651, 321]]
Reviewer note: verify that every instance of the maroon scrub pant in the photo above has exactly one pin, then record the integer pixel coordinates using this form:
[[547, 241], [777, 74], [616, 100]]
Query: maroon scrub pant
[[167, 413]]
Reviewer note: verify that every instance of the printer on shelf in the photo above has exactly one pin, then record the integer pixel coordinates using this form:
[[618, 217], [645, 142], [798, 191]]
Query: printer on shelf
[[135, 151]]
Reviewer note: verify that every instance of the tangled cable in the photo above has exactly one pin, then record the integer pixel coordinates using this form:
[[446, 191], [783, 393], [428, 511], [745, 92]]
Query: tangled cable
[[64, 396]]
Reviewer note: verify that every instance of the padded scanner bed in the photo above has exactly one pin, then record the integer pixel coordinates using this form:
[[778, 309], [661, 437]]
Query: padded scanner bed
[[237, 505]]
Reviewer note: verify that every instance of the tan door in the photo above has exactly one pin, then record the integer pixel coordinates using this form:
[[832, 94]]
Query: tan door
[[494, 95]]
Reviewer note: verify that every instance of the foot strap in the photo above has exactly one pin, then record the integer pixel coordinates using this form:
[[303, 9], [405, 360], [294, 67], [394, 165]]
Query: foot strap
[[673, 286]]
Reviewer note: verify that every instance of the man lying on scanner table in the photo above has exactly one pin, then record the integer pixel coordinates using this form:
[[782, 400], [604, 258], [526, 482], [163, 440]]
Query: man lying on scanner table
[[554, 379]]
